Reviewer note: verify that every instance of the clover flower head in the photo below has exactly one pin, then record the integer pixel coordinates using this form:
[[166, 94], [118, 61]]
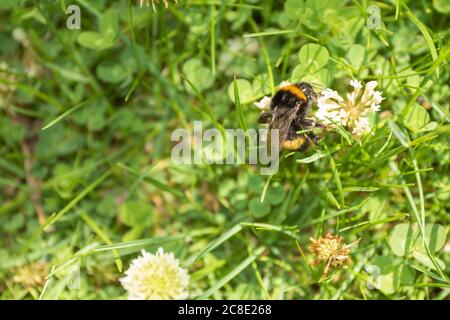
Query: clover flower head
[[330, 110], [331, 250], [352, 111], [264, 103], [356, 84], [156, 277], [362, 126]]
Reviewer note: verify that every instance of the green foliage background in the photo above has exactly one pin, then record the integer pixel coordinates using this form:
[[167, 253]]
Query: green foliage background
[[85, 123]]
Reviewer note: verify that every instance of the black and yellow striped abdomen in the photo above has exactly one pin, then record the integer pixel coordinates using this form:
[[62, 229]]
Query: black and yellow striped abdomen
[[295, 144]]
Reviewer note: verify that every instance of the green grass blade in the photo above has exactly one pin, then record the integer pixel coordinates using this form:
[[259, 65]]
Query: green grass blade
[[138, 243], [224, 237], [55, 217], [287, 230], [237, 101], [160, 185], [103, 236], [208, 110], [337, 180], [244, 264], [428, 39]]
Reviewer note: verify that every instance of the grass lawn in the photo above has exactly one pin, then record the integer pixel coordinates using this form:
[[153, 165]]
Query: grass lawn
[[92, 94]]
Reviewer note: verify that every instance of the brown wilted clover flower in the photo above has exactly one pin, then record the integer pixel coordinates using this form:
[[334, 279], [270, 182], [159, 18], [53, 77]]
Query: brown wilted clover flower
[[331, 250], [31, 275]]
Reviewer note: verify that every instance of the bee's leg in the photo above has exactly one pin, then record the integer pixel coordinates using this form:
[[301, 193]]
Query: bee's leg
[[307, 123], [316, 137], [265, 117], [305, 146], [310, 138], [319, 125], [310, 123]]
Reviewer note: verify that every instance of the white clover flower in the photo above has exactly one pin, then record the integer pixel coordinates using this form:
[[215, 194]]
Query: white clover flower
[[356, 84], [330, 110], [375, 108], [361, 126], [264, 103], [156, 277], [377, 98], [371, 85], [351, 112]]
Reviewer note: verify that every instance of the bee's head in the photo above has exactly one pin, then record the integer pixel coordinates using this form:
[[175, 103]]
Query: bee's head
[[308, 91]]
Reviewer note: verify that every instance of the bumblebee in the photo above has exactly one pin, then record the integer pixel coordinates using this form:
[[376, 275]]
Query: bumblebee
[[288, 110]]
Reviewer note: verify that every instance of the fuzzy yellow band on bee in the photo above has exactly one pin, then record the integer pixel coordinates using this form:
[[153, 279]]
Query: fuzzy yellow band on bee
[[294, 144], [295, 90]]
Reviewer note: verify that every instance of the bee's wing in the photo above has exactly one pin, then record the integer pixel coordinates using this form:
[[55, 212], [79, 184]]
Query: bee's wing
[[265, 117], [281, 119]]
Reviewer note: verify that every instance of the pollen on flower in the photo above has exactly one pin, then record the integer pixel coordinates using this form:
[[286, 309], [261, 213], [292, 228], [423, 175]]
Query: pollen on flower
[[350, 112], [331, 250], [156, 277]]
